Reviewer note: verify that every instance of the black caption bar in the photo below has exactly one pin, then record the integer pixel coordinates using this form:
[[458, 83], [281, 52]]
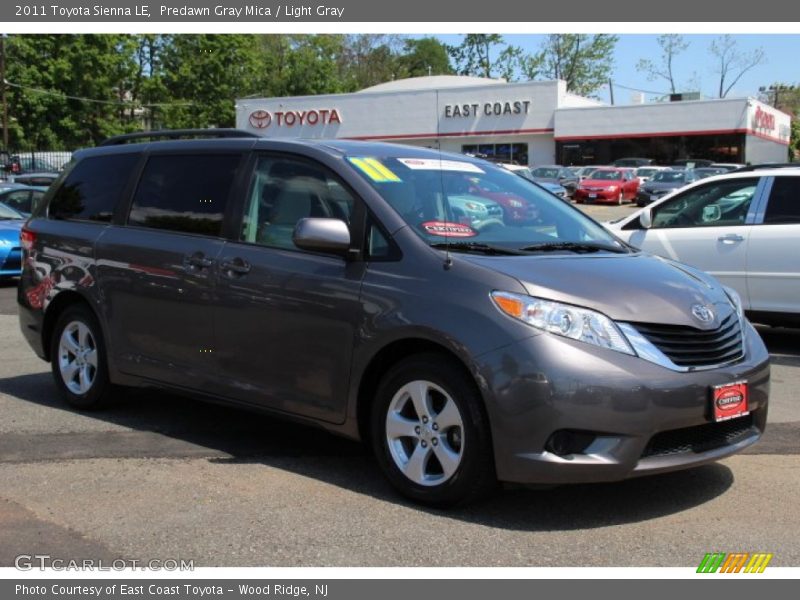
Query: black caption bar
[[606, 14], [372, 589]]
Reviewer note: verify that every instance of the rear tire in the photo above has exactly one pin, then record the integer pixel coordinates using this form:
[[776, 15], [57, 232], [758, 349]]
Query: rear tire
[[430, 435], [78, 359]]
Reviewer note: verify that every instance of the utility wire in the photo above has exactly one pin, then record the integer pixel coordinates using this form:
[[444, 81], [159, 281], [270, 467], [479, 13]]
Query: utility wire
[[114, 102], [633, 89]]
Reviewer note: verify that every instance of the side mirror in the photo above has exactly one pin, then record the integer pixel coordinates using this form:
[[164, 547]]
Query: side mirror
[[711, 213], [646, 218], [322, 235]]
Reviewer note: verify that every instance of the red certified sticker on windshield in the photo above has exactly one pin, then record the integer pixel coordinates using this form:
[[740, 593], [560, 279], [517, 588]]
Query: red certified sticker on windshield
[[448, 229]]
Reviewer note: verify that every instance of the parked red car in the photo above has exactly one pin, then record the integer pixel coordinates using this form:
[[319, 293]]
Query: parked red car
[[608, 185], [515, 209]]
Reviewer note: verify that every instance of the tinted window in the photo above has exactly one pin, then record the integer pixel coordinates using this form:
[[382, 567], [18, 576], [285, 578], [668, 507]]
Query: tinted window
[[91, 190], [784, 201], [185, 193], [285, 190], [19, 200]]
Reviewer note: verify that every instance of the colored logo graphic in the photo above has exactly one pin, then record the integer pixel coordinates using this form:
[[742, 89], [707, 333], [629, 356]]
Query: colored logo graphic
[[737, 562], [260, 119]]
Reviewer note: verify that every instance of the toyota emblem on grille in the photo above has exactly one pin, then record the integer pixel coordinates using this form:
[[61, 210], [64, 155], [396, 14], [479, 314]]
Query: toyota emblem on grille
[[702, 313]]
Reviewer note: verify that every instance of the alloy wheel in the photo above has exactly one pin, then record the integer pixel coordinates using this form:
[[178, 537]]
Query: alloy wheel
[[77, 357], [425, 433]]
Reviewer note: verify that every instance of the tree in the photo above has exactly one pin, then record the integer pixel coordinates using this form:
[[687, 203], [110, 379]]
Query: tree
[[584, 61], [424, 56], [303, 65], [474, 56], [202, 74], [368, 60], [68, 90], [786, 98], [732, 62], [671, 46]]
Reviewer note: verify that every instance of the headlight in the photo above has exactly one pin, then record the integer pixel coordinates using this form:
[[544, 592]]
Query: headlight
[[611, 188], [565, 320], [476, 207]]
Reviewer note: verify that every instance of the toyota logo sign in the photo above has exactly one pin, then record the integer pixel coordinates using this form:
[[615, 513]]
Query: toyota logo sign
[[260, 119]]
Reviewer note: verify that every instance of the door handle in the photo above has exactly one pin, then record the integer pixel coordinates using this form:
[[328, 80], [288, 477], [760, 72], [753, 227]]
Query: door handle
[[235, 267], [197, 260], [730, 238]]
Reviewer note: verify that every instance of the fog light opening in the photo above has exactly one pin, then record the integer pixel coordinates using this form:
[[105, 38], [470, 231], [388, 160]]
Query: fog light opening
[[566, 441]]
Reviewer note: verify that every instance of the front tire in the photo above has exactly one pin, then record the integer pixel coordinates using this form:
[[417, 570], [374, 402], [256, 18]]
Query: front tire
[[430, 434], [78, 359]]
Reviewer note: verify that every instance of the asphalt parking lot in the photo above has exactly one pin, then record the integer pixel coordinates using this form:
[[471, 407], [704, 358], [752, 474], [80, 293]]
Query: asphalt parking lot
[[162, 477]]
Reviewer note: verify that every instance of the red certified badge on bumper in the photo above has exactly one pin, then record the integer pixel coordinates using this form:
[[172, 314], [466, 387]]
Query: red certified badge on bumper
[[729, 401]]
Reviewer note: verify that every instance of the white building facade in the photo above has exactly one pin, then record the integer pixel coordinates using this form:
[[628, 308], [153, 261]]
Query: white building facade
[[530, 123]]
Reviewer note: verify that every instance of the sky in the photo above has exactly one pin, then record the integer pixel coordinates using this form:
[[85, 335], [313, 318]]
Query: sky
[[695, 63]]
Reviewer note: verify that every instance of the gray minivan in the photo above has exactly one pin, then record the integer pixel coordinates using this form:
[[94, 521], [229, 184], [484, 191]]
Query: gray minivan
[[361, 287]]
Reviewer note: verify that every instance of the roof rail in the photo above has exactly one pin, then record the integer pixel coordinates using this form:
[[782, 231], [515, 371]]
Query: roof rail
[[174, 134], [795, 165]]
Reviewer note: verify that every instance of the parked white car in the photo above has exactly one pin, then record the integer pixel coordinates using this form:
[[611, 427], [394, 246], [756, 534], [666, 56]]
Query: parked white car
[[743, 228]]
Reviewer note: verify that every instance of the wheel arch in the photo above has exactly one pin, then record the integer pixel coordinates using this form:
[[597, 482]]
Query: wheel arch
[[55, 309], [390, 355]]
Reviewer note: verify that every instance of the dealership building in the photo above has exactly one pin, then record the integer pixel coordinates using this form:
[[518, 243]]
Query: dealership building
[[529, 123]]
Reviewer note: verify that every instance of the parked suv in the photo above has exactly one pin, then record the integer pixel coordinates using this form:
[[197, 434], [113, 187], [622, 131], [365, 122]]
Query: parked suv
[[335, 282]]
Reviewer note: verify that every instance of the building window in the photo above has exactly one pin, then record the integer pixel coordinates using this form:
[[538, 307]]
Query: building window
[[507, 153]]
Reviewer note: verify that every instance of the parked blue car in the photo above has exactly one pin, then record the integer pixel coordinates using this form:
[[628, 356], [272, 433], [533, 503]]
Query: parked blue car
[[11, 223]]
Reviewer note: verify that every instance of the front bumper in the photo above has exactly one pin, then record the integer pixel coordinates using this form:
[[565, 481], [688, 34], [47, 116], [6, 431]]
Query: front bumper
[[546, 384], [596, 196]]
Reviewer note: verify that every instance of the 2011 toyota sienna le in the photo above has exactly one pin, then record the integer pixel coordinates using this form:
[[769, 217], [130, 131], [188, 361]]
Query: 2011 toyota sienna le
[[372, 289]]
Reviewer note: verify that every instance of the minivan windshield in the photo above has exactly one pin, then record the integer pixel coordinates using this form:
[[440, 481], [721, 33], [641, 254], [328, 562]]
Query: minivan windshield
[[476, 206]]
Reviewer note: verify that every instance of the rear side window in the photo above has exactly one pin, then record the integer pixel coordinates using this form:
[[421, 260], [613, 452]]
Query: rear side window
[[186, 193], [784, 201], [92, 189]]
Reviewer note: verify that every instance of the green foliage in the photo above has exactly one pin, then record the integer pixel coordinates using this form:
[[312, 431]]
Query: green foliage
[[584, 61], [90, 66], [202, 74], [786, 98], [486, 55], [424, 56]]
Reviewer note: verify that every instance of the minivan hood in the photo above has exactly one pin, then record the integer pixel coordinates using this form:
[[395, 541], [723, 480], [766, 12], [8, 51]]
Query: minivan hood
[[630, 287]]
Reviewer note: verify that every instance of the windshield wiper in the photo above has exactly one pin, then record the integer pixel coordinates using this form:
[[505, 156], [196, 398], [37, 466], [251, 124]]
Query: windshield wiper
[[476, 247], [579, 247]]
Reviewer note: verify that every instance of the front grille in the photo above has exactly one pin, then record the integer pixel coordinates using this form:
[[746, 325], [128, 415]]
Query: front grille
[[700, 438], [691, 347]]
